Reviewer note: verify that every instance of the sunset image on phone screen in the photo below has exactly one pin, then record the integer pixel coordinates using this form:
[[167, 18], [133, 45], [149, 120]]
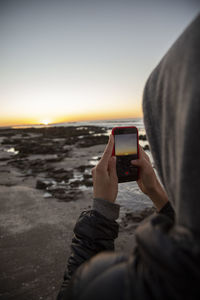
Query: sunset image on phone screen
[[125, 144]]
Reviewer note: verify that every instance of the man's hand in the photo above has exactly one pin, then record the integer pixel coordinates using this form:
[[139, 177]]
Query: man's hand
[[148, 182], [105, 180]]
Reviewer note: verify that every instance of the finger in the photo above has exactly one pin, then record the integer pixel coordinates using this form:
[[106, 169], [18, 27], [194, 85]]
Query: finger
[[93, 173], [112, 167], [136, 162], [108, 152], [143, 153], [141, 162]]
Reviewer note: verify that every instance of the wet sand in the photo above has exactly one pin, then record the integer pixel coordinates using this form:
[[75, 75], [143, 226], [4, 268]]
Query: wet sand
[[45, 183]]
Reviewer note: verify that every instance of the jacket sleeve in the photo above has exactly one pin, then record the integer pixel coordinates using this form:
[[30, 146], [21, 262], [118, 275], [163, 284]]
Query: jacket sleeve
[[93, 233], [168, 211]]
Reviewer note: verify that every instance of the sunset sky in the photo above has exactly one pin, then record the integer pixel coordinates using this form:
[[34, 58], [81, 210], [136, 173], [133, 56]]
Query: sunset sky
[[82, 59], [125, 144]]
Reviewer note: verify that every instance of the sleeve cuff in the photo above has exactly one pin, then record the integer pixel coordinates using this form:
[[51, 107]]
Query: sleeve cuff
[[168, 211], [108, 209]]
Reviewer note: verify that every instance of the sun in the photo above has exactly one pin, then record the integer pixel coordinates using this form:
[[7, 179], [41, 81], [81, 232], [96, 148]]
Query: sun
[[45, 122]]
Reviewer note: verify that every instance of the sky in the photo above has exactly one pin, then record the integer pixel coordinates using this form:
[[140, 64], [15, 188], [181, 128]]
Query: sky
[[125, 144], [78, 60]]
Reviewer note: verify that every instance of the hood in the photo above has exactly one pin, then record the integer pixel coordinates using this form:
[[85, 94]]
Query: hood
[[171, 106]]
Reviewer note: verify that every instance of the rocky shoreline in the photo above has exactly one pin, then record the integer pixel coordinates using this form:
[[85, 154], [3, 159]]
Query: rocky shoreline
[[35, 152], [45, 182]]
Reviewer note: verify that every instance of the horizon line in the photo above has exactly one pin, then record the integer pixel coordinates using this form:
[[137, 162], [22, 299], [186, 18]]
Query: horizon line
[[70, 122]]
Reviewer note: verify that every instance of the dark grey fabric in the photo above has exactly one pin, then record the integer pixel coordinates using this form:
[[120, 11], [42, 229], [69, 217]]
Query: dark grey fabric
[[171, 106], [93, 233], [110, 275], [107, 209]]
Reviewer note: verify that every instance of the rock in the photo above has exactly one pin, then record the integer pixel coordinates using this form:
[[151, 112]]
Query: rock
[[9, 141], [42, 185], [5, 156], [72, 195], [75, 183], [87, 176], [61, 196], [146, 147], [61, 174], [36, 166], [83, 167], [142, 137], [89, 141], [58, 191], [88, 182]]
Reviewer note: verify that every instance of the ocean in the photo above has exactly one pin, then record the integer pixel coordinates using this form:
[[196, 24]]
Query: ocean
[[109, 124], [138, 122]]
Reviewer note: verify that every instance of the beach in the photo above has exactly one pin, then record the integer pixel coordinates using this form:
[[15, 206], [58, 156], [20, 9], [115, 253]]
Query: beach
[[45, 183]]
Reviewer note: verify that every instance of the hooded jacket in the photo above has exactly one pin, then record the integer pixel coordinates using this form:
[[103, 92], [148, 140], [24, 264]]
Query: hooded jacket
[[165, 264]]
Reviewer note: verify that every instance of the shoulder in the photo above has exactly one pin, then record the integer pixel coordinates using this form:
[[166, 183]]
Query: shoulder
[[101, 277]]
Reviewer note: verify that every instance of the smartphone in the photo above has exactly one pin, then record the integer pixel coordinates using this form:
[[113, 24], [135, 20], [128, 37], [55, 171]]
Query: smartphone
[[126, 148]]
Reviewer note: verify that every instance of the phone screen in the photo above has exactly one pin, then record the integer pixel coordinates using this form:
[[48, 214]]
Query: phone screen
[[126, 149], [126, 144]]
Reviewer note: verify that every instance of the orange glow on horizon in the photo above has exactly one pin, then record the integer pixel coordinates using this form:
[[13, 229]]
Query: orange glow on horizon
[[45, 120]]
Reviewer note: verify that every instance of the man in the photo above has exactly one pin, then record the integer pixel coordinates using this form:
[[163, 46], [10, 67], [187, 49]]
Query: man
[[165, 263]]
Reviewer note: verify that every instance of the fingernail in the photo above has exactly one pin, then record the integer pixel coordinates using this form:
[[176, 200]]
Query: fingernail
[[132, 161]]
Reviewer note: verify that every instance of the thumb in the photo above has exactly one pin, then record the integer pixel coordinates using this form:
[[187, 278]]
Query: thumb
[[137, 162], [112, 167]]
